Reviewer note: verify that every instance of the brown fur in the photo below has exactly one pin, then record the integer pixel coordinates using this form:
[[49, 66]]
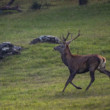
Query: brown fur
[[78, 64]]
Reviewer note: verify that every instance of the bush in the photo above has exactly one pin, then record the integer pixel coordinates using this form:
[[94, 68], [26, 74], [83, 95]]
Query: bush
[[36, 6], [83, 2]]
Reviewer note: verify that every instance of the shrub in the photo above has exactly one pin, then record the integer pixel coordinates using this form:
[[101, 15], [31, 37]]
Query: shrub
[[83, 2], [36, 6]]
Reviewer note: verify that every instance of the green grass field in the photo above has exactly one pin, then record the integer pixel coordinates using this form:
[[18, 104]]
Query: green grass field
[[34, 80]]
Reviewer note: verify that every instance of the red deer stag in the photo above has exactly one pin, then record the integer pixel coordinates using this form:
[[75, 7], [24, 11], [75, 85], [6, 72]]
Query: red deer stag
[[78, 64]]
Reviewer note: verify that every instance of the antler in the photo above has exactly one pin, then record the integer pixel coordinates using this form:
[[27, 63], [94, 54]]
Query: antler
[[65, 38], [68, 42]]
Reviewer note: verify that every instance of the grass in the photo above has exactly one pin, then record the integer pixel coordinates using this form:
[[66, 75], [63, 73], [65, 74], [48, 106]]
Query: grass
[[35, 79]]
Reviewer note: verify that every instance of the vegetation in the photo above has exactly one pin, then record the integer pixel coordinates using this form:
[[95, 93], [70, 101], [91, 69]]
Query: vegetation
[[35, 79], [35, 6], [83, 2]]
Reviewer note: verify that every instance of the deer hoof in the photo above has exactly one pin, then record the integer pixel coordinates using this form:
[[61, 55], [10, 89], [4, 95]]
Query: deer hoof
[[79, 88]]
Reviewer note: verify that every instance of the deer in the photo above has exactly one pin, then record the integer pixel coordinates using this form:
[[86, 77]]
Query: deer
[[79, 64]]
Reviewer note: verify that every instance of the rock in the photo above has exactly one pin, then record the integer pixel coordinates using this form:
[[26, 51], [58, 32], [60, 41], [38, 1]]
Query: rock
[[6, 48], [46, 38]]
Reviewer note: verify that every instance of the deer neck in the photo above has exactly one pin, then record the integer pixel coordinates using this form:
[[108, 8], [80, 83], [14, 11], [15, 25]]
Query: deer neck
[[66, 56]]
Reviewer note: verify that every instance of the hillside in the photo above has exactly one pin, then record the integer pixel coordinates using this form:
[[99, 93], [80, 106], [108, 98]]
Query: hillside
[[34, 79]]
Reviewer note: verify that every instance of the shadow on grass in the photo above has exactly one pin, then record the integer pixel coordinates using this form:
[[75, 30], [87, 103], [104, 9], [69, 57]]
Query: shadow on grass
[[81, 94]]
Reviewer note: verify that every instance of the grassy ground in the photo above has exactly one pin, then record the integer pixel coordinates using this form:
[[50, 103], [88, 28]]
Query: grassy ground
[[34, 80]]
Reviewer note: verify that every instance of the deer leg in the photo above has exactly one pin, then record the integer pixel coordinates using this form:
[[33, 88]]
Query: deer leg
[[68, 81], [92, 79], [75, 86], [105, 72]]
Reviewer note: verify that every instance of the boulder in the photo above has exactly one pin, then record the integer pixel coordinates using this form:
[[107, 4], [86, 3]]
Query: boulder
[[46, 38], [7, 48]]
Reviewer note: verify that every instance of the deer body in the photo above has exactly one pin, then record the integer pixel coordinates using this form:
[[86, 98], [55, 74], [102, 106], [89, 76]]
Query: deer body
[[79, 64], [82, 63]]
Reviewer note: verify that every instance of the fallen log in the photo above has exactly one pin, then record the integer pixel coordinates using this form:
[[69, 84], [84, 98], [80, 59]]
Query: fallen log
[[11, 8]]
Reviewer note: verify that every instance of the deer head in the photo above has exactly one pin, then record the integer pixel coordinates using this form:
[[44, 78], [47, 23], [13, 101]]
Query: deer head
[[64, 43]]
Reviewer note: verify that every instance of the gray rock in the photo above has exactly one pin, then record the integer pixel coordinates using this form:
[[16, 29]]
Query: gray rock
[[46, 38], [7, 48]]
